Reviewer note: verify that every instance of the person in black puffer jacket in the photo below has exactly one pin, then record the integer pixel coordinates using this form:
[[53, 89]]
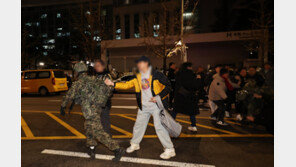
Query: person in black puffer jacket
[[186, 99]]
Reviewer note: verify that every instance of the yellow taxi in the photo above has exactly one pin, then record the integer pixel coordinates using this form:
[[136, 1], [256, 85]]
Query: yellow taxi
[[43, 81]]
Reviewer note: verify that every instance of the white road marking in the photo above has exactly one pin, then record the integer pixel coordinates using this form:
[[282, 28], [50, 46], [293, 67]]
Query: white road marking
[[125, 159]]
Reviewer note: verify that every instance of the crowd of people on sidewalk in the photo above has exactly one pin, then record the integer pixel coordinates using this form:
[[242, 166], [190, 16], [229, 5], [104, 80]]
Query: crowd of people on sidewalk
[[245, 94]]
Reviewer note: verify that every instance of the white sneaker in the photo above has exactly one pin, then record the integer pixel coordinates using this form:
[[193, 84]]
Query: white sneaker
[[133, 148], [222, 123], [239, 117], [213, 118], [192, 128], [168, 153]]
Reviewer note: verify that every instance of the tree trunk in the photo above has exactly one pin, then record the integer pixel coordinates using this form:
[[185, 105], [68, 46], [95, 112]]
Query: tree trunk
[[164, 64]]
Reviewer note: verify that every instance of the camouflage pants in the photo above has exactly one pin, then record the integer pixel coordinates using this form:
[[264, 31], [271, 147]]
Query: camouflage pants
[[94, 131]]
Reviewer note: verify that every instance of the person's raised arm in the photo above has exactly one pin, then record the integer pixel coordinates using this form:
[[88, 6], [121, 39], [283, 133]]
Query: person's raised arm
[[121, 85]]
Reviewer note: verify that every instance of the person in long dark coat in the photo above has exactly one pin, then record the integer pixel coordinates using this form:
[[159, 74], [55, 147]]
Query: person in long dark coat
[[186, 99]]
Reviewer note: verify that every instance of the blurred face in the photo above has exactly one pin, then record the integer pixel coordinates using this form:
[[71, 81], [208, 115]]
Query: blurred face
[[143, 66], [267, 67], [99, 67], [173, 66], [217, 69], [252, 71], [243, 72]]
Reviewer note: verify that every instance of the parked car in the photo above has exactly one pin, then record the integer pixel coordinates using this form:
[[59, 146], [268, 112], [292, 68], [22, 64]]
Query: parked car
[[43, 81]]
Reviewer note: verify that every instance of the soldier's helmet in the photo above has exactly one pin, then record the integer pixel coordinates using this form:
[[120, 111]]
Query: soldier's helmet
[[80, 67]]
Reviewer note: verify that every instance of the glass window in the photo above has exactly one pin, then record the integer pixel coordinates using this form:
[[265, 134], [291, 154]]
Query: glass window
[[146, 28], [43, 16], [127, 26], [43, 74], [30, 75], [118, 28], [59, 74], [136, 25]]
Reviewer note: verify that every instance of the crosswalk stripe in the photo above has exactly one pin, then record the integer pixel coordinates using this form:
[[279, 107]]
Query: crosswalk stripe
[[67, 126], [125, 159], [26, 128]]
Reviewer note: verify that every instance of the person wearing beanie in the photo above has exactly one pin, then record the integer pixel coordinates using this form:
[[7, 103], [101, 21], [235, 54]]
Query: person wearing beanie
[[149, 85]]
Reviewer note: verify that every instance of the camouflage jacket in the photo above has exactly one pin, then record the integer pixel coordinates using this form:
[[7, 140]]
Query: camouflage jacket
[[88, 90]]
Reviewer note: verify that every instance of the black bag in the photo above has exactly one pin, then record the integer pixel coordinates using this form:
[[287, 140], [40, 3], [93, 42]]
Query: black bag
[[184, 91]]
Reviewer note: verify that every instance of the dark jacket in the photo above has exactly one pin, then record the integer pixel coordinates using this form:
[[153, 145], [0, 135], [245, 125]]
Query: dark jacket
[[243, 81], [269, 77], [172, 77], [186, 100], [104, 75], [160, 85], [257, 78]]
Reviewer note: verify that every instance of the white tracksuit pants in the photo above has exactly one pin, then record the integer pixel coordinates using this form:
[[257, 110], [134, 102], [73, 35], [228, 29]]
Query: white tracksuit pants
[[141, 125]]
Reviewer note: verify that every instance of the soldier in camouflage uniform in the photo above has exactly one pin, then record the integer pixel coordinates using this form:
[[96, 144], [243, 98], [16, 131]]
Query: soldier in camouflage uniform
[[92, 94], [101, 73]]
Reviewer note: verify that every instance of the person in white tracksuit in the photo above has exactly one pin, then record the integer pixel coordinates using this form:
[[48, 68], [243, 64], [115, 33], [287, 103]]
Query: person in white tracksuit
[[148, 84]]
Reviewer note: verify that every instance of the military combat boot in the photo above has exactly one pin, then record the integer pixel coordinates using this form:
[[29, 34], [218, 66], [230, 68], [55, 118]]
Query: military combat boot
[[92, 152], [118, 154]]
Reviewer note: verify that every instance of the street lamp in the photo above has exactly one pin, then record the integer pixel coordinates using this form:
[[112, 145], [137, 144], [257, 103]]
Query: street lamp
[[41, 64]]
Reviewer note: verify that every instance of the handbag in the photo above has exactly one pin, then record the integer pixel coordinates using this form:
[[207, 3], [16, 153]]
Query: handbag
[[168, 122], [184, 91]]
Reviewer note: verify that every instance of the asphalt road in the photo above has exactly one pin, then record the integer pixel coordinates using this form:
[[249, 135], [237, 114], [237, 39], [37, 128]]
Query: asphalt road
[[49, 139]]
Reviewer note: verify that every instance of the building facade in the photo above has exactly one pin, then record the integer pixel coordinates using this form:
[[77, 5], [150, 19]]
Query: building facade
[[120, 31]]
